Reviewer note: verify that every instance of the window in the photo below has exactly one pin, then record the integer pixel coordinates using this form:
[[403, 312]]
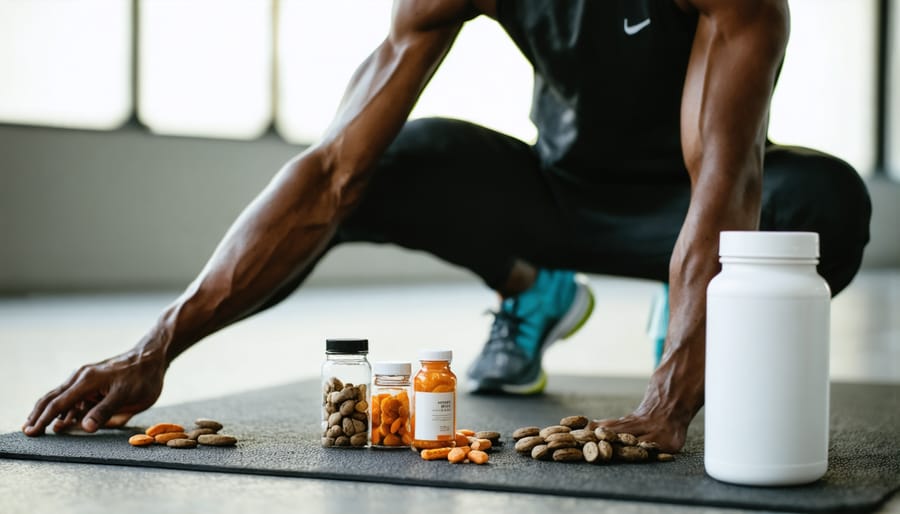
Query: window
[[893, 94], [226, 68], [825, 98], [320, 46], [66, 64], [484, 79], [205, 67]]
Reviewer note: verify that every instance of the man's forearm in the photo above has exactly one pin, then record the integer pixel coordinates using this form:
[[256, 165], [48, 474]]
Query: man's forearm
[[291, 222], [735, 56], [720, 201], [694, 263], [273, 239]]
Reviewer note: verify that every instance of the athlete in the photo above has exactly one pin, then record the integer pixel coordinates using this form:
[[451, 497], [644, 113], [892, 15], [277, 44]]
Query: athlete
[[652, 118]]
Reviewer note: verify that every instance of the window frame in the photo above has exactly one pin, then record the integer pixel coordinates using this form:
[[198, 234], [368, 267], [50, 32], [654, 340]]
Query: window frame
[[887, 37]]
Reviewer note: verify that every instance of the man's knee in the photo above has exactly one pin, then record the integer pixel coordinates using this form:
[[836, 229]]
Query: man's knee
[[823, 194]]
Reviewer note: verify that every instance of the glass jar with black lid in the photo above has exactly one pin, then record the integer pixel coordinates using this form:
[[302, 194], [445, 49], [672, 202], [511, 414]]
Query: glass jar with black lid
[[346, 385]]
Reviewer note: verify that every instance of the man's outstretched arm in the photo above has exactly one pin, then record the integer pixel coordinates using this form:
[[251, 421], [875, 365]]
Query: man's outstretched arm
[[281, 232], [737, 50]]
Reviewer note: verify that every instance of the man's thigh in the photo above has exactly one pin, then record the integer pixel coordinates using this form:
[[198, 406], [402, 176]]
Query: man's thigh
[[480, 199], [467, 194], [807, 190], [630, 229], [622, 228]]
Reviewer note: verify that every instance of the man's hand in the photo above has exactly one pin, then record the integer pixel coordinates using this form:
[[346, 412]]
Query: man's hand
[[738, 47], [278, 237], [105, 394], [669, 405]]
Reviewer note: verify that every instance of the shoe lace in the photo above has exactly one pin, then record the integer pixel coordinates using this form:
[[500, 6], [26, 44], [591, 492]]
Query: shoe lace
[[504, 329]]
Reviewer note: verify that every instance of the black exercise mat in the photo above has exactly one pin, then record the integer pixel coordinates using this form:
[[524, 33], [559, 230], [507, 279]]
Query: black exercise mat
[[279, 435]]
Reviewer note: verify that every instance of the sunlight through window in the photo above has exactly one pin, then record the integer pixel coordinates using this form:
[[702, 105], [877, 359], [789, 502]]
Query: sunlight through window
[[205, 67], [893, 100], [64, 63], [484, 79], [825, 97]]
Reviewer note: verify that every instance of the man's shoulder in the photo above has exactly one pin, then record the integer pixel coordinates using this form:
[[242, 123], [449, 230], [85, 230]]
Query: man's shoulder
[[434, 14]]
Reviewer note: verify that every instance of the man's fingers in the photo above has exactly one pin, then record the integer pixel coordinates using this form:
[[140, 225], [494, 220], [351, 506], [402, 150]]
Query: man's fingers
[[102, 412], [627, 424], [41, 404], [67, 422], [668, 438], [118, 420], [33, 424], [59, 405], [605, 423], [85, 386]]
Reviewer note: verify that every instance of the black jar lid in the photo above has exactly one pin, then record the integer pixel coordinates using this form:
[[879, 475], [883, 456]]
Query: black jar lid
[[346, 346]]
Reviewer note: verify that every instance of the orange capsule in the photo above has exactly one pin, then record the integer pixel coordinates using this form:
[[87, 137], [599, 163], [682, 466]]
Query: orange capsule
[[435, 453], [162, 428], [140, 440], [457, 455], [478, 457]]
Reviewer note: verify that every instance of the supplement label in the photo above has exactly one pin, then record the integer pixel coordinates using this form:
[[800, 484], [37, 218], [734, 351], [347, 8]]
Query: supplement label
[[434, 416]]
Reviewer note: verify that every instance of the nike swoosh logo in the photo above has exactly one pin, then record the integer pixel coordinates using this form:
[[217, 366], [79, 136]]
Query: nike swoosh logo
[[634, 29]]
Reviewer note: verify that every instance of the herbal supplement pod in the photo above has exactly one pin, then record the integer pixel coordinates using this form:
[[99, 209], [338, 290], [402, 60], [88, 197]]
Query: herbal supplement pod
[[391, 407], [346, 377], [434, 412], [767, 343]]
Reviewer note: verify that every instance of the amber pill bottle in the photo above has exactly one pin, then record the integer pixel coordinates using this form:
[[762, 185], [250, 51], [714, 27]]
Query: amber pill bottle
[[434, 393]]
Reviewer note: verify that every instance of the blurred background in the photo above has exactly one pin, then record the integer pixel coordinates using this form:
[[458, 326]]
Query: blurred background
[[132, 132]]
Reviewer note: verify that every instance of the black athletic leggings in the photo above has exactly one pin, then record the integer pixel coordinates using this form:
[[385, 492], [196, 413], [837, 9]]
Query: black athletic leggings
[[480, 199]]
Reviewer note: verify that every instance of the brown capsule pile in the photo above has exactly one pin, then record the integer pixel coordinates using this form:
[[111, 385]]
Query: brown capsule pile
[[172, 435], [572, 441], [345, 414]]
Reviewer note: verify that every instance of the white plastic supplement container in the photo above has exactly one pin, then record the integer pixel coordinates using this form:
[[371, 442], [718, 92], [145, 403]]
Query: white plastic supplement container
[[767, 341]]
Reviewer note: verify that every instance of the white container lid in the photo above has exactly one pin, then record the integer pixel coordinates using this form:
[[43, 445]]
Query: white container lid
[[392, 368], [436, 355], [771, 245]]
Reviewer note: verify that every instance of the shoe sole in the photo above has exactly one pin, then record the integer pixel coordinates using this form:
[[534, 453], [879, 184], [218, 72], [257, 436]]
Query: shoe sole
[[575, 318]]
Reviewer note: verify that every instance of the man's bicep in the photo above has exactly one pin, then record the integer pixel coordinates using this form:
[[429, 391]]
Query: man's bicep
[[421, 16], [737, 50], [387, 84]]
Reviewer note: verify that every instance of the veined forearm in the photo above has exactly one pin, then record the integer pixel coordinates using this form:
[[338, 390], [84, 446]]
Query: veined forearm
[[273, 240], [737, 49], [290, 223]]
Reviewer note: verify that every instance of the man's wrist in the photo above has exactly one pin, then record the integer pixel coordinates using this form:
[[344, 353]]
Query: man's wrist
[[162, 341], [680, 376]]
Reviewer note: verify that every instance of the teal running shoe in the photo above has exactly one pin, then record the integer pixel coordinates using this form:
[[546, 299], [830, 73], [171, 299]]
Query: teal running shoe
[[556, 306], [658, 324]]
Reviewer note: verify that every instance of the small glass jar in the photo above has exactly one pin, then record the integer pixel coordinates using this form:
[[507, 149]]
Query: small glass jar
[[434, 410], [390, 405], [346, 377]]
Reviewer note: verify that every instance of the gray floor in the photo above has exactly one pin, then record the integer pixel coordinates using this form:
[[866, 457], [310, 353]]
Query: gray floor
[[45, 338]]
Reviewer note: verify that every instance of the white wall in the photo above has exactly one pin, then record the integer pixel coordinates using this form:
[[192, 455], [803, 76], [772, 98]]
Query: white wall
[[84, 210], [126, 209]]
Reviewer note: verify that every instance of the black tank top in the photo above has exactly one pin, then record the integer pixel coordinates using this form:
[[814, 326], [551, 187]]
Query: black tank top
[[608, 78]]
